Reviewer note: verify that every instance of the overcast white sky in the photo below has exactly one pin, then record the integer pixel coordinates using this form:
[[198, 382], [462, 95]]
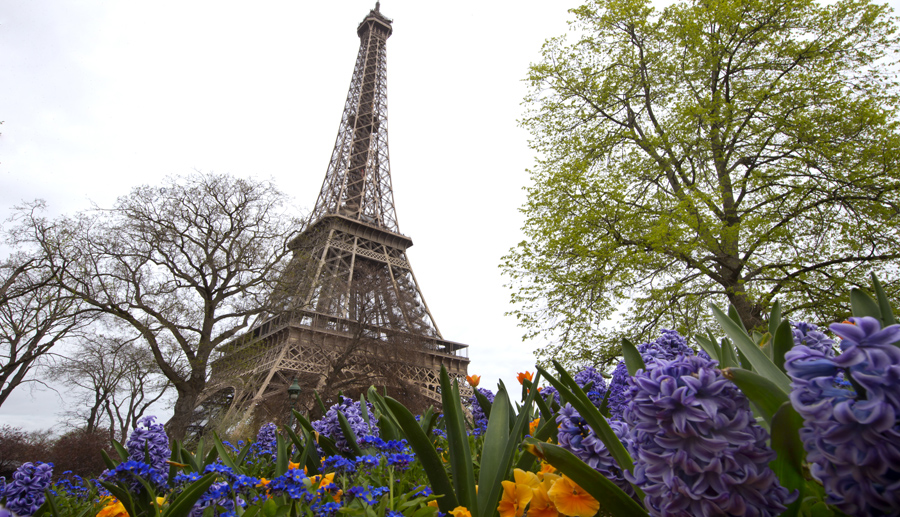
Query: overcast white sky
[[100, 96]]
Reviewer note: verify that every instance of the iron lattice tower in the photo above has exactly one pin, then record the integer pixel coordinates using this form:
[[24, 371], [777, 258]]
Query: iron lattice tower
[[350, 311]]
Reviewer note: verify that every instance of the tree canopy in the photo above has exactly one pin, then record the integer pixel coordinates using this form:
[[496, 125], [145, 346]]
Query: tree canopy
[[728, 151]]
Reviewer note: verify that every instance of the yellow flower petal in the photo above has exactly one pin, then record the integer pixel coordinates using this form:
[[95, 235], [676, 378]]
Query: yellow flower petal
[[541, 505], [460, 511], [113, 508], [570, 499], [526, 478], [515, 498], [533, 425]]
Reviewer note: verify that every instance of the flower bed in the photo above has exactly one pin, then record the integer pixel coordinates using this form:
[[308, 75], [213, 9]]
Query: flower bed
[[790, 422]]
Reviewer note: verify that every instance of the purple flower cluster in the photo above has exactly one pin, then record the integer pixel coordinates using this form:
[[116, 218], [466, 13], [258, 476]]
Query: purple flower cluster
[[25, 493], [369, 495], [266, 440], [590, 375], [330, 426], [478, 416], [70, 484], [220, 497], [129, 472], [850, 405], [292, 484], [149, 440], [578, 438], [587, 375], [667, 346], [697, 447], [809, 335]]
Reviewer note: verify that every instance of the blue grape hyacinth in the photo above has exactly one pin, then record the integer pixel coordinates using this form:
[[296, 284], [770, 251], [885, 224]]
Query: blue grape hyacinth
[[697, 447], [850, 405], [25, 493], [149, 440]]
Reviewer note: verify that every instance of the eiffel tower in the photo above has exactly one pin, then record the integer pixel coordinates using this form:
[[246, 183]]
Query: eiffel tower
[[351, 312]]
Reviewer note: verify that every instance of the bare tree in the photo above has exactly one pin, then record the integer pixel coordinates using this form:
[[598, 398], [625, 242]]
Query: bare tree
[[35, 315], [187, 265], [116, 380]]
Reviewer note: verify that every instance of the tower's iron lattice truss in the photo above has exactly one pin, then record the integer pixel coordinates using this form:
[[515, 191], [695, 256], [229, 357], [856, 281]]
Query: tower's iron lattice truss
[[349, 309]]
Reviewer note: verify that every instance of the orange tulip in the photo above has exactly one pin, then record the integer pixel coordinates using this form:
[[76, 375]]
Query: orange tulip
[[523, 376], [473, 380], [570, 499]]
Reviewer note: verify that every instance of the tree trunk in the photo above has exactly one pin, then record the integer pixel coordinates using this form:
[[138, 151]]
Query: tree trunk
[[749, 312], [185, 404]]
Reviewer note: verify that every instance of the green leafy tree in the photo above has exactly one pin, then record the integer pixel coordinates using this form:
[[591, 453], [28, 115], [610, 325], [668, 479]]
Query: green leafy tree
[[730, 150]]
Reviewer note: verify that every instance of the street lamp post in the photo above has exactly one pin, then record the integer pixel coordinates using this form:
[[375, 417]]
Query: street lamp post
[[294, 393]]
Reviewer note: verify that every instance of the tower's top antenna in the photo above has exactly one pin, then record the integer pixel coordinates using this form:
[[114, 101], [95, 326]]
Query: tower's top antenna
[[377, 7]]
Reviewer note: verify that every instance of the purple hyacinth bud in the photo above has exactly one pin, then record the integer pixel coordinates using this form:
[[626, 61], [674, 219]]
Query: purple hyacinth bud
[[25, 493], [851, 430], [149, 438], [697, 447]]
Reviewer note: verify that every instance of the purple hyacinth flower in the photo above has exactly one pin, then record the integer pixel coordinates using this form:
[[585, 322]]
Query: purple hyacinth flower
[[851, 430], [478, 415], [697, 447], [575, 436], [266, 440], [668, 346], [149, 439], [329, 425], [25, 493], [809, 335]]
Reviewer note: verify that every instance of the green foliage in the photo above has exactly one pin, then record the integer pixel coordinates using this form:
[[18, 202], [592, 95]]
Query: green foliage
[[720, 150], [493, 456]]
